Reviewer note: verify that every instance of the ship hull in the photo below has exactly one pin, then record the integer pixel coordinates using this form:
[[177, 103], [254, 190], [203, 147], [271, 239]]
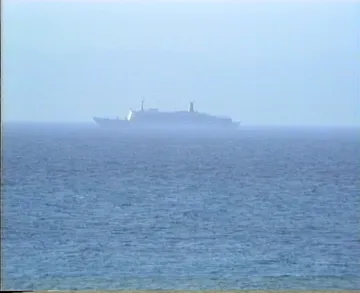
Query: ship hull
[[111, 123], [131, 125]]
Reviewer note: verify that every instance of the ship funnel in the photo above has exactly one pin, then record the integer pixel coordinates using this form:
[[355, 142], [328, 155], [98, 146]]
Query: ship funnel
[[191, 108]]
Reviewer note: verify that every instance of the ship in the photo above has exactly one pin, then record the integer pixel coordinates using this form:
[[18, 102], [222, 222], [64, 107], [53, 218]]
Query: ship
[[153, 118]]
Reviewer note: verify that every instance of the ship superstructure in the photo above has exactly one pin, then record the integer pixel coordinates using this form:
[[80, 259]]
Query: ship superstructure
[[154, 118]]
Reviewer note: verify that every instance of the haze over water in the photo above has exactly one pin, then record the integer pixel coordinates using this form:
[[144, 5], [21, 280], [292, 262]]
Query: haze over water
[[262, 63]]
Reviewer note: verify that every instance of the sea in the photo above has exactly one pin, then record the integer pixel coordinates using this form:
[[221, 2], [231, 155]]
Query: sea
[[260, 208]]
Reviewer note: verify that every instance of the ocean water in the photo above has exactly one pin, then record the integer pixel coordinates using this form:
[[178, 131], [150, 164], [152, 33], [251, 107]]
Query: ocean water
[[84, 208]]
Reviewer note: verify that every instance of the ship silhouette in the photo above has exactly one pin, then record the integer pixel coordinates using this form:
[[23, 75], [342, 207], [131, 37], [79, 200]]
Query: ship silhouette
[[153, 118]]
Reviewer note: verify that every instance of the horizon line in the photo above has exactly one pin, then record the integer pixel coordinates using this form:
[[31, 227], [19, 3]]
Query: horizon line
[[89, 122], [183, 1]]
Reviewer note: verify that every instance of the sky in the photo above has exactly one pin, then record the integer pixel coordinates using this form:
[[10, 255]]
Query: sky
[[260, 62]]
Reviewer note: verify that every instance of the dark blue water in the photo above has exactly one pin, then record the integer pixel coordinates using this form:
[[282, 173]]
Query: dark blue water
[[264, 208]]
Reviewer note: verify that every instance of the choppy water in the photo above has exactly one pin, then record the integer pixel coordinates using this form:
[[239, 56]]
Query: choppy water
[[271, 208]]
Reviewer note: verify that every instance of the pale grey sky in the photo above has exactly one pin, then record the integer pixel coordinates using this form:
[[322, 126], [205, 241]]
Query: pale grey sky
[[275, 63]]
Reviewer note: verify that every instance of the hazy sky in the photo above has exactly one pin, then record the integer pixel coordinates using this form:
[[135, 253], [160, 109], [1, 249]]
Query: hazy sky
[[261, 63]]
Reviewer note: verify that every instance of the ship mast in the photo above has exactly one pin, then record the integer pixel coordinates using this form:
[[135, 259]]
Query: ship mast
[[142, 105]]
